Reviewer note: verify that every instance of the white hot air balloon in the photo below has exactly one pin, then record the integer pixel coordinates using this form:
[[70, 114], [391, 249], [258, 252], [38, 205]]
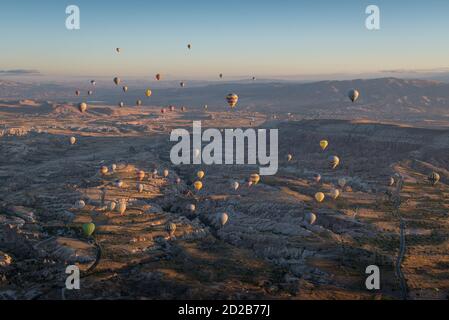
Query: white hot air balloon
[[223, 219], [72, 140], [80, 204], [310, 218], [121, 208], [235, 185]]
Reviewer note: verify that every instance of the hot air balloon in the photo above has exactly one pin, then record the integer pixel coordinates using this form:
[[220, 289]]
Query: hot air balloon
[[324, 144], [112, 205], [353, 95], [72, 140], [310, 218], [391, 181], [178, 180], [165, 173], [119, 183], [289, 157], [434, 178], [334, 161], [82, 107], [317, 177], [141, 175], [319, 196], [232, 99], [125, 88], [158, 77], [172, 108], [189, 46], [191, 207], [221, 75], [196, 153], [148, 93], [121, 208], [183, 109], [118, 50], [342, 182], [235, 185], [77, 92], [90, 92], [162, 110], [88, 229], [80, 204], [182, 84], [154, 172], [113, 167], [335, 193], [140, 187], [170, 228], [223, 219], [205, 107], [254, 178], [138, 103], [104, 170], [198, 185], [121, 104], [116, 81], [93, 82], [200, 174]]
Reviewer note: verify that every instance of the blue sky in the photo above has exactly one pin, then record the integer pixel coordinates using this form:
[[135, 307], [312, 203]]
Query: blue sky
[[238, 38]]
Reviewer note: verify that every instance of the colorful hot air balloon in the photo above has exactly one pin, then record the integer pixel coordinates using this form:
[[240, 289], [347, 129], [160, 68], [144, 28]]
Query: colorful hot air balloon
[[200, 174], [434, 178], [324, 144], [232, 99], [88, 229], [148, 93], [82, 107], [353, 95], [334, 161], [319, 196], [198, 185]]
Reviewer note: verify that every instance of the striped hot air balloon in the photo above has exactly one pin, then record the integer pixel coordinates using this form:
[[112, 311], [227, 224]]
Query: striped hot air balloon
[[232, 99]]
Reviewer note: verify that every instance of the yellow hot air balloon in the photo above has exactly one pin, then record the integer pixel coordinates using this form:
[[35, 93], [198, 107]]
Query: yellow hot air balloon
[[82, 107], [319, 196], [88, 229], [200, 174], [232, 99], [165, 173], [148, 93], [324, 144], [198, 185], [104, 170], [254, 178]]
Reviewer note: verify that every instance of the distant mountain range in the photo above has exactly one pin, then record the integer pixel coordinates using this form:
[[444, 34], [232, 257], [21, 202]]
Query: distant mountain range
[[384, 98]]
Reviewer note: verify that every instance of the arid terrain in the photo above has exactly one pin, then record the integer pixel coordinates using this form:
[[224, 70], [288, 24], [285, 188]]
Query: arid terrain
[[267, 249]]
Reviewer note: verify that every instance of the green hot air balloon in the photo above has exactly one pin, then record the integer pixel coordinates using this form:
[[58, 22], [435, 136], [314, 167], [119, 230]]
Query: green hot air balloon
[[88, 229]]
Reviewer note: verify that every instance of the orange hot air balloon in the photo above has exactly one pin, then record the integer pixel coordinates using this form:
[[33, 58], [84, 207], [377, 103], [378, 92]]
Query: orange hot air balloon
[[148, 93], [198, 185], [254, 178], [324, 144], [232, 99]]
